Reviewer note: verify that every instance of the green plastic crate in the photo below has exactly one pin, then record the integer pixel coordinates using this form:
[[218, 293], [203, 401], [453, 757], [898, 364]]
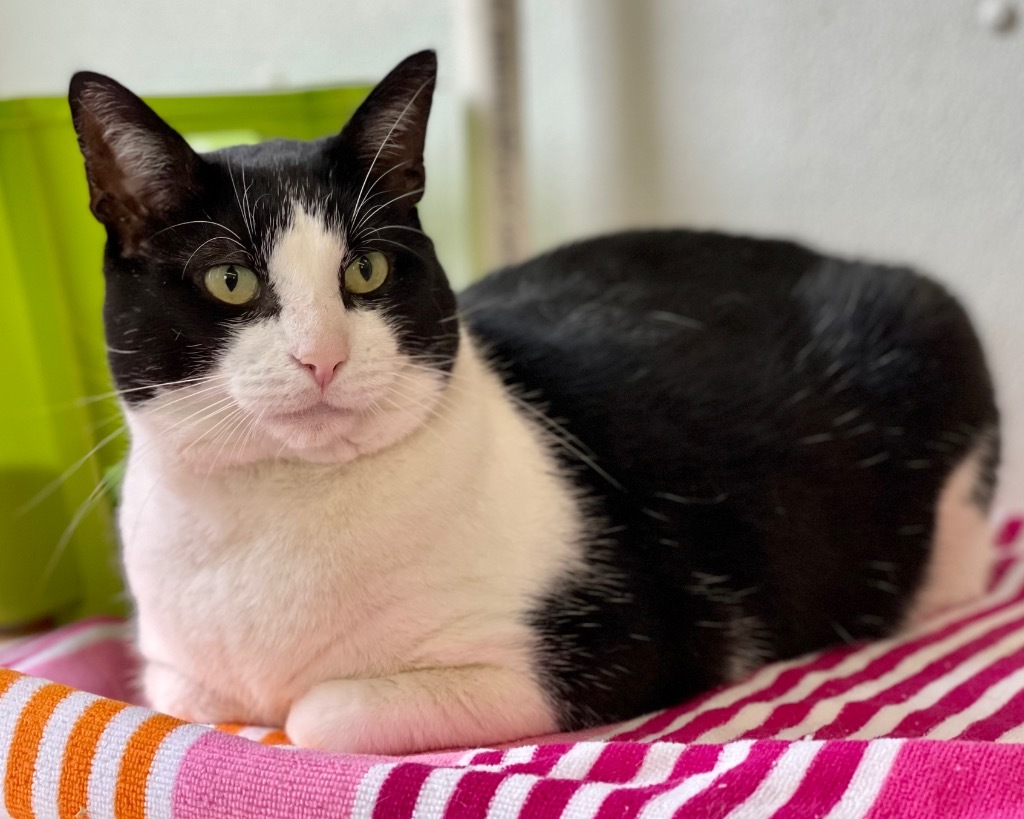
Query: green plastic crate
[[58, 556]]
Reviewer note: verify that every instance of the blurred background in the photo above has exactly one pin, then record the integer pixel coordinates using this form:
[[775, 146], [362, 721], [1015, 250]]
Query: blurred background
[[886, 129]]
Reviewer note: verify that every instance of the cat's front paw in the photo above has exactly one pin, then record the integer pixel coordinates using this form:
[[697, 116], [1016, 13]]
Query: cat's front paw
[[419, 711]]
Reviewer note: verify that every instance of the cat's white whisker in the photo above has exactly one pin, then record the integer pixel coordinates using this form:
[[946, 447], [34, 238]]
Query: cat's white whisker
[[59, 481], [94, 497]]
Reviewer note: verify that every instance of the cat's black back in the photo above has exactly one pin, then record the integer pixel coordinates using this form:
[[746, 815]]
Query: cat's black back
[[761, 433]]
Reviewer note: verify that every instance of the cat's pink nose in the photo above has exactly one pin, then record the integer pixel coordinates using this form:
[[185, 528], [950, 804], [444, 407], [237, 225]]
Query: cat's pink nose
[[322, 367]]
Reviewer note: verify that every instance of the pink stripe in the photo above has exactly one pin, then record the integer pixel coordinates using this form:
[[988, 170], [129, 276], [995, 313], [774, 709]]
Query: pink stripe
[[401, 789], [825, 782], [34, 645], [548, 797], [953, 779], [619, 762], [1009, 716], [854, 715], [473, 795], [628, 802], [488, 758], [735, 786], [233, 778], [919, 723], [102, 668], [1009, 533]]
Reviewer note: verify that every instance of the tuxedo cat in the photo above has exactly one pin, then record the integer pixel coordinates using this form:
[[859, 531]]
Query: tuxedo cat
[[391, 519]]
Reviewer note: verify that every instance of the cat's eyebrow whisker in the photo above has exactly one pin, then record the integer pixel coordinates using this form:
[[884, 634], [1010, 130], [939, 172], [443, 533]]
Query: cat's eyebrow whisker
[[198, 222], [404, 247], [387, 138], [361, 203], [234, 188], [371, 213], [184, 270], [394, 227]]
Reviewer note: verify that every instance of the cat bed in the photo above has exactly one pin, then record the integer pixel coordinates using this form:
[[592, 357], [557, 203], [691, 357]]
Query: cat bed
[[928, 724]]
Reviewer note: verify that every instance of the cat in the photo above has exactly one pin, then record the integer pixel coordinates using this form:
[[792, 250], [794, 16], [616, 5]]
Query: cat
[[390, 519]]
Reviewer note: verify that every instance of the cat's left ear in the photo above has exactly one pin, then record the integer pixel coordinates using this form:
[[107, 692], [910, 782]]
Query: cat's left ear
[[387, 133], [139, 168]]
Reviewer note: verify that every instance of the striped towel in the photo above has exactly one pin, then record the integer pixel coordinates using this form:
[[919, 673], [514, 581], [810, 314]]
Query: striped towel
[[924, 726]]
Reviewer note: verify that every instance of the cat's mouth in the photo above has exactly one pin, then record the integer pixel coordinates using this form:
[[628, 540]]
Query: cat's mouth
[[321, 411]]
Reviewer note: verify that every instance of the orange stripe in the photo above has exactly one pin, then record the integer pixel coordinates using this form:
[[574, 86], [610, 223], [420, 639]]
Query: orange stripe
[[8, 678], [130, 794], [230, 727], [21, 760], [73, 791], [276, 738]]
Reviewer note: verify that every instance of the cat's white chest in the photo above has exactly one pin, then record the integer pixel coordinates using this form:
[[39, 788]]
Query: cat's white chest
[[259, 582]]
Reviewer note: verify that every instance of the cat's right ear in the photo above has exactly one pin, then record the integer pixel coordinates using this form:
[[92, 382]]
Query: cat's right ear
[[139, 168]]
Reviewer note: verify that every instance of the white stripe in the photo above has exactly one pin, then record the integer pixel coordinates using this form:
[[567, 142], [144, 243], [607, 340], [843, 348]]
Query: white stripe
[[778, 787], [163, 773], [587, 801], [889, 716], [981, 709], [106, 761], [668, 803], [658, 763], [866, 782], [824, 712], [49, 759], [516, 756], [255, 732], [577, 761], [76, 642], [369, 789], [1008, 587], [435, 792], [12, 704], [509, 798]]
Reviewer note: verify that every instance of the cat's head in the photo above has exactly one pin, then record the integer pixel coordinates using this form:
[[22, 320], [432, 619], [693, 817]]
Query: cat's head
[[274, 300]]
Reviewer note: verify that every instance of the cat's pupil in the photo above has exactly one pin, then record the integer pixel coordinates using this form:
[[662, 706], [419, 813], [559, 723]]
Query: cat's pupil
[[231, 278], [365, 268]]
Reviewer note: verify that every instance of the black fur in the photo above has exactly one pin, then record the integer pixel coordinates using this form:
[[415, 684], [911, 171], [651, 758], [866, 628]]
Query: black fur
[[772, 429]]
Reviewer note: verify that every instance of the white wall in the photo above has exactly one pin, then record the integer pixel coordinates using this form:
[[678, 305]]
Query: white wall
[[892, 129], [887, 128]]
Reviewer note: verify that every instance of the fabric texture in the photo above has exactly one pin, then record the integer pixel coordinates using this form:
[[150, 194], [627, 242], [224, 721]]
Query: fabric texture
[[927, 724]]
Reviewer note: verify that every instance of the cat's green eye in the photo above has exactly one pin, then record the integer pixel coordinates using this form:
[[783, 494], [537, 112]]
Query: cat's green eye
[[232, 283], [367, 273]]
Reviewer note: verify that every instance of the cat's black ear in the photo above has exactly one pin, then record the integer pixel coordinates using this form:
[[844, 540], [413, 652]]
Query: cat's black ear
[[139, 168], [387, 133]]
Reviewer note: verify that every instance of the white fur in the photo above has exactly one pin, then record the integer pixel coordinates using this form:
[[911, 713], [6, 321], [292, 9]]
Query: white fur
[[361, 579]]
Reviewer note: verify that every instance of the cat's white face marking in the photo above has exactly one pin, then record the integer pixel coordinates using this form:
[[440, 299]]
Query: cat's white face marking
[[265, 402]]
